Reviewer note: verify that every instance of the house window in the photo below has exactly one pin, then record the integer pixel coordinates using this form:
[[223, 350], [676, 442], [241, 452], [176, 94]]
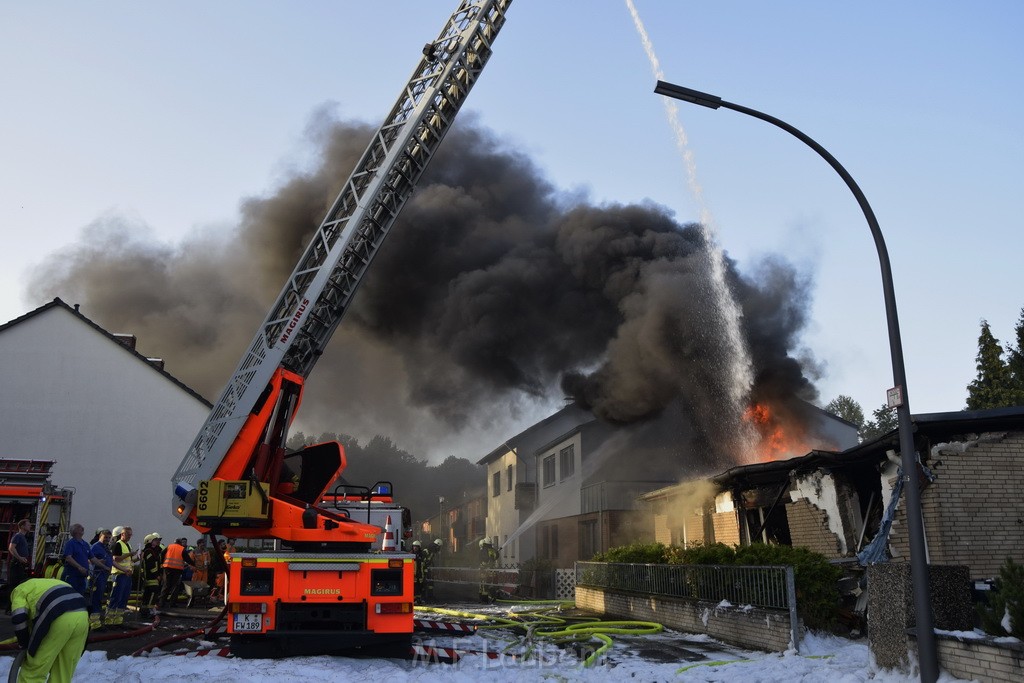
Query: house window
[[549, 542], [496, 488], [510, 477], [566, 462], [549, 470], [589, 542]]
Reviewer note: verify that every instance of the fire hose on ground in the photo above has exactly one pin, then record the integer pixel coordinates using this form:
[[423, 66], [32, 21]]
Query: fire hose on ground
[[542, 625], [206, 630]]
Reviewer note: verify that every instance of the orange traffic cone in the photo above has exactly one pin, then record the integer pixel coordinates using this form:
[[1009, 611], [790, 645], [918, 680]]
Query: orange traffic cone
[[389, 544]]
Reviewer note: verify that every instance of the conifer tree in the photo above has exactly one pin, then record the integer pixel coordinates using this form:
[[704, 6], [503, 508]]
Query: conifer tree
[[886, 420], [1015, 363], [992, 387]]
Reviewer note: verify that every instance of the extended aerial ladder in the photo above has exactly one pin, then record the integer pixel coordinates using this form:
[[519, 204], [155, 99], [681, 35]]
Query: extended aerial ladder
[[326, 589], [248, 422]]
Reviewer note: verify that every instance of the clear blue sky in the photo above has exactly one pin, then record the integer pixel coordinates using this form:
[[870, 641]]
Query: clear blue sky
[[171, 113]]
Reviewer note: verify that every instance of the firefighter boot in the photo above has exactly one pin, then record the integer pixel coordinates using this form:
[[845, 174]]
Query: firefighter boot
[[113, 618], [95, 621]]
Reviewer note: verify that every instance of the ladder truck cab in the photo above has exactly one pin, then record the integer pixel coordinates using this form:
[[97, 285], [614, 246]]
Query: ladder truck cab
[[333, 583], [375, 506]]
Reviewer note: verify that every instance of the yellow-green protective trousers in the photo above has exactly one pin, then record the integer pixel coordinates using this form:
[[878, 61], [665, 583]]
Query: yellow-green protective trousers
[[59, 652]]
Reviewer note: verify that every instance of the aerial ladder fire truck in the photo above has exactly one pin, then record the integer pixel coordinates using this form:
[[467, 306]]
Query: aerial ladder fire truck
[[326, 587]]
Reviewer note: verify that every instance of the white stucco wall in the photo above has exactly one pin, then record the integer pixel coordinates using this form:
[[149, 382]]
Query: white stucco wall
[[561, 499], [503, 520], [116, 427], [502, 517]]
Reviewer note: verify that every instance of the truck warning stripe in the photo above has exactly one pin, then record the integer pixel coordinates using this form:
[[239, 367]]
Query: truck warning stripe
[[445, 626], [215, 652], [448, 655]]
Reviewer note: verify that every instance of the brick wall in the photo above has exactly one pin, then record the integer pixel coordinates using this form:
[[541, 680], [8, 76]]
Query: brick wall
[[694, 529], [662, 531], [808, 528], [726, 527], [981, 659], [760, 629], [974, 510]]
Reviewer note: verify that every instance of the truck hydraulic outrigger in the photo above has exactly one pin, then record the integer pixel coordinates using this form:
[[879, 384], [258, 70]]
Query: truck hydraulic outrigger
[[328, 589]]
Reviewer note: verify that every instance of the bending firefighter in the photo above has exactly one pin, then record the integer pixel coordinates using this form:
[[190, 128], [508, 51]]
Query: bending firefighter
[[51, 622]]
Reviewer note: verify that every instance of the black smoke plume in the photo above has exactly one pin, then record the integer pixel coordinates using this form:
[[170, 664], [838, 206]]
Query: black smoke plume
[[494, 292]]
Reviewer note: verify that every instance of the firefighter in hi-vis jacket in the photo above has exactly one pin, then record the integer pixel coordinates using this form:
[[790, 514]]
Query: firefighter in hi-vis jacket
[[51, 621]]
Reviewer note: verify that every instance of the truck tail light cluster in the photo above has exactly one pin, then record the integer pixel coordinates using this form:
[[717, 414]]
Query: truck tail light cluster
[[394, 607], [247, 607]]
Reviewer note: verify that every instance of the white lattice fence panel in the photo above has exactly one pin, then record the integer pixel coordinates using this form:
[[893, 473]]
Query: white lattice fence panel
[[565, 584]]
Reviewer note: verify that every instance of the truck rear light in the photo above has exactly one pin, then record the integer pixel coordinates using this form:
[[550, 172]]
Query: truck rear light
[[394, 607], [395, 564], [248, 561], [247, 607]]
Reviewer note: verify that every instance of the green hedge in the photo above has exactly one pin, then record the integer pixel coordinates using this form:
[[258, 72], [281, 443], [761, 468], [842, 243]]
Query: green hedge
[[817, 581]]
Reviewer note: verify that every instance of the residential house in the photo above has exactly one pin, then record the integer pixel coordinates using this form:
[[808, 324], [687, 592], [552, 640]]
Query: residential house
[[511, 482], [115, 423], [835, 502], [460, 524], [590, 479]]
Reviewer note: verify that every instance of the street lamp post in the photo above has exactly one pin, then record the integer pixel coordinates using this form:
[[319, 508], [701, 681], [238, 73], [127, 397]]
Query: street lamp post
[[897, 396], [440, 515]]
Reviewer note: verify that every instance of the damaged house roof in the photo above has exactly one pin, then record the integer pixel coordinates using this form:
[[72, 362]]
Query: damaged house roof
[[929, 429]]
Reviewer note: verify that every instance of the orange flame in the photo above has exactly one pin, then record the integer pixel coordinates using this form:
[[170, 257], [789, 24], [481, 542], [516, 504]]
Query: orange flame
[[776, 440]]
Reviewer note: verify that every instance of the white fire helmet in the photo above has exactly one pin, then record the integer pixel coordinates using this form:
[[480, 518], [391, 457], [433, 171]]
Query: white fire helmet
[[437, 542], [416, 544], [117, 531]]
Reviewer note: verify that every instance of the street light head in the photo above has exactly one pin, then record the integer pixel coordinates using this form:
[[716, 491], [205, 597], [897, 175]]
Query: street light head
[[688, 95]]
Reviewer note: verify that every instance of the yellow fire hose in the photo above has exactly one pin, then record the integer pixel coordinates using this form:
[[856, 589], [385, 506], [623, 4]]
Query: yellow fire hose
[[541, 624]]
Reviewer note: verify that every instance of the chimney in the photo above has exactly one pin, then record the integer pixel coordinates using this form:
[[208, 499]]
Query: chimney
[[157, 363], [127, 340]]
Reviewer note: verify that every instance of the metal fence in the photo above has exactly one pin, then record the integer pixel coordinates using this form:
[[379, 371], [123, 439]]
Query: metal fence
[[767, 587], [511, 581], [771, 588]]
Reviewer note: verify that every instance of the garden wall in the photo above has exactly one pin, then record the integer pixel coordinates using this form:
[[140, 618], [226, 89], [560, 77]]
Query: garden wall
[[748, 627]]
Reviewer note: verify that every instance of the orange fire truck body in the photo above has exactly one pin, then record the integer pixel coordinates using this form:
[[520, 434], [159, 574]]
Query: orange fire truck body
[[298, 603]]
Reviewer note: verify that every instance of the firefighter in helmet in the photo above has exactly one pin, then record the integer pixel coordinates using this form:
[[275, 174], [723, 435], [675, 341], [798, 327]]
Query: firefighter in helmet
[[417, 577], [430, 555], [488, 561]]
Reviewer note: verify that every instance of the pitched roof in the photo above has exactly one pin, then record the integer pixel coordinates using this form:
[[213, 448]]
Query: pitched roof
[[512, 443], [58, 303]]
